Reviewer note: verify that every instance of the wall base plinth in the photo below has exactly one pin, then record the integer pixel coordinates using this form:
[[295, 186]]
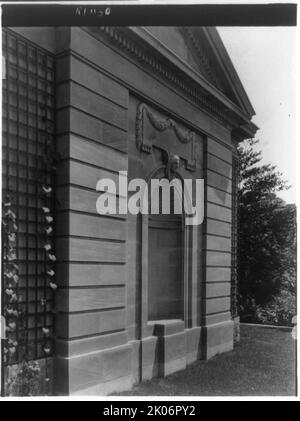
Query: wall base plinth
[[95, 373], [170, 348], [217, 338], [236, 332]]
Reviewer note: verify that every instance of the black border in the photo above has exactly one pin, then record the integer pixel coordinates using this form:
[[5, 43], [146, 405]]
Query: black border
[[280, 14]]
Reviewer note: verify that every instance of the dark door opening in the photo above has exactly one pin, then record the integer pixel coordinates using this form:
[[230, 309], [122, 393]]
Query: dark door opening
[[165, 287]]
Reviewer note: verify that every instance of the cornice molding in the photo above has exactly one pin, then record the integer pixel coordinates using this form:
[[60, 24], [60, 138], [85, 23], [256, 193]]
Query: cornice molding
[[176, 77], [224, 60], [207, 68], [208, 98]]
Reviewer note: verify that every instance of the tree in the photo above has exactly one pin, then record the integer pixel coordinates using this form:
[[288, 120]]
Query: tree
[[267, 231]]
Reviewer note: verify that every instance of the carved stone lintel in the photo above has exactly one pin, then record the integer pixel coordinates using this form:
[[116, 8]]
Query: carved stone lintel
[[184, 136]]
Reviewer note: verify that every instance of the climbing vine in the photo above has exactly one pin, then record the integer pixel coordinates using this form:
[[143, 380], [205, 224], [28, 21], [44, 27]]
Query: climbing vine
[[25, 378], [28, 256], [50, 272], [10, 276]]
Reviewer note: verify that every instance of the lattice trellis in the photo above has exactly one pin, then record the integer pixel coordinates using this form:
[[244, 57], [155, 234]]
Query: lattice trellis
[[28, 105]]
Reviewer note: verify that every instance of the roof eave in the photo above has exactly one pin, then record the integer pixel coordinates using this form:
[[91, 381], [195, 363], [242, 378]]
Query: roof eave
[[219, 96], [242, 116], [244, 131], [225, 62]]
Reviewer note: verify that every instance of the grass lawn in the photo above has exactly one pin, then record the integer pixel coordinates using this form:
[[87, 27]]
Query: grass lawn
[[263, 363]]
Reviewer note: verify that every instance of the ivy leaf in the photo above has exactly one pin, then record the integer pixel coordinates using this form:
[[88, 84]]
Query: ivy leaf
[[47, 189], [53, 285]]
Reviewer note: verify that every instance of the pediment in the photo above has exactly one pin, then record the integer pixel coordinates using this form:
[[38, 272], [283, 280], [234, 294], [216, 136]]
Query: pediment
[[202, 50]]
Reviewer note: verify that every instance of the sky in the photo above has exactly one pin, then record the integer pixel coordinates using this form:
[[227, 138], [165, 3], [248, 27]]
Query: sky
[[265, 60]]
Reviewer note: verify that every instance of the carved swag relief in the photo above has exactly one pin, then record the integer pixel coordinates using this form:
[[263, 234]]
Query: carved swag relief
[[145, 142]]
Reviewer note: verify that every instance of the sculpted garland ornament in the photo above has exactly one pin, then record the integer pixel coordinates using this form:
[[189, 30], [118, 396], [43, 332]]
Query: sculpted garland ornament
[[184, 136]]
